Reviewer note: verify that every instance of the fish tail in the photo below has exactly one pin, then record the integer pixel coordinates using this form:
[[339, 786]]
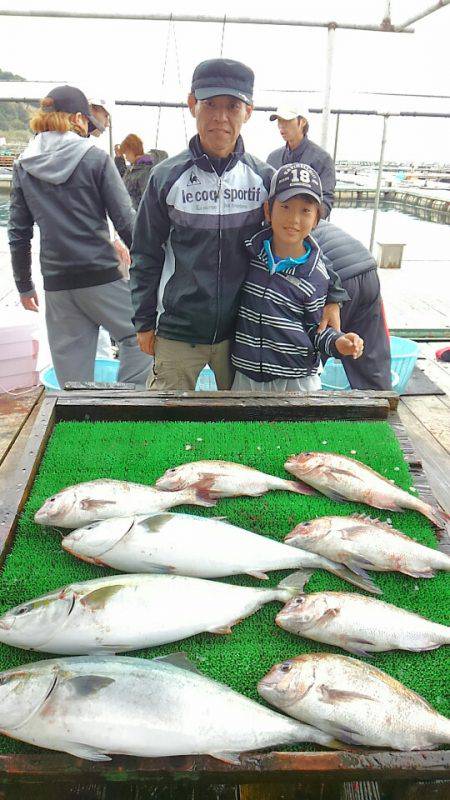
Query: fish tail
[[441, 730], [299, 487], [356, 576], [437, 516], [294, 584]]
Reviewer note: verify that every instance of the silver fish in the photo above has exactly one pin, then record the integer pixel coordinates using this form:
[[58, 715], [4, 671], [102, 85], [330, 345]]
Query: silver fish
[[95, 705], [184, 544], [101, 499], [226, 479], [355, 702], [362, 542], [341, 478], [129, 612], [361, 625]]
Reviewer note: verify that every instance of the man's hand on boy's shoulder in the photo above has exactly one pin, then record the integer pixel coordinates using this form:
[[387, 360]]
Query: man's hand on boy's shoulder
[[331, 317], [350, 344]]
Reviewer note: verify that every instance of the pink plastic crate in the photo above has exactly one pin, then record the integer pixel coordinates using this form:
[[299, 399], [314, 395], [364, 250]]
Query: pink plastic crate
[[19, 348], [25, 380]]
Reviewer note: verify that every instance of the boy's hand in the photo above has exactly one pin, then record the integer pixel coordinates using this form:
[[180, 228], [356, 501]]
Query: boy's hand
[[146, 341], [331, 317], [350, 344]]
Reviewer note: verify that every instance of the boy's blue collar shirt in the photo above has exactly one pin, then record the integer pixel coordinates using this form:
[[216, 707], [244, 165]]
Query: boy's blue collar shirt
[[277, 264]]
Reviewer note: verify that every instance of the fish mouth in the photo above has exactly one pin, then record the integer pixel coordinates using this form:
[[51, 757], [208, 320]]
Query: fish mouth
[[6, 625]]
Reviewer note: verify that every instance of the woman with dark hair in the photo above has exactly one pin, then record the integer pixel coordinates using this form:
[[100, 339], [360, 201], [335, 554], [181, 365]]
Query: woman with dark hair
[[68, 186]]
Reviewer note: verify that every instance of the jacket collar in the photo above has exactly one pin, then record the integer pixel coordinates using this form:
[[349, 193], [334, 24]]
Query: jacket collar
[[255, 246], [202, 160], [294, 156]]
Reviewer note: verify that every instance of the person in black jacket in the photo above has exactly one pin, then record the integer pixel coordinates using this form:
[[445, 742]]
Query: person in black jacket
[[188, 256], [364, 313], [67, 186], [136, 175], [294, 128]]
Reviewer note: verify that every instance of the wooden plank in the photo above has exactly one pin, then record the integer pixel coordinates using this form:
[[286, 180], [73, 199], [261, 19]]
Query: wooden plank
[[19, 482], [322, 767], [434, 416], [14, 412], [213, 408]]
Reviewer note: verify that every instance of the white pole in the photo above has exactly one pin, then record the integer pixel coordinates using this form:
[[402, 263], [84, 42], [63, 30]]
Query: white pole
[[327, 90], [380, 174]]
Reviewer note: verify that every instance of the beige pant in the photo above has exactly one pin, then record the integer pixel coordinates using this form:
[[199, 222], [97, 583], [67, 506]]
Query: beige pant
[[178, 364]]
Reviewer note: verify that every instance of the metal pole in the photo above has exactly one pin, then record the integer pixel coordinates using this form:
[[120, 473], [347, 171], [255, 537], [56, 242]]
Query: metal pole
[[204, 18], [336, 135], [111, 140], [423, 14], [327, 90], [380, 174]]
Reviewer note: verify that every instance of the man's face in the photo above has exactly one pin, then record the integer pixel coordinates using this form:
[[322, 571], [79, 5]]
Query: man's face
[[291, 129], [219, 122], [102, 116]]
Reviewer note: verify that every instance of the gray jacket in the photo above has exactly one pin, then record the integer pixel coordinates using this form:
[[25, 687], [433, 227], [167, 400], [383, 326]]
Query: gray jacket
[[348, 257], [67, 186], [309, 153]]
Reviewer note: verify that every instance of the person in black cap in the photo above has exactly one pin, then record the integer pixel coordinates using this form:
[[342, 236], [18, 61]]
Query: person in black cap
[[188, 258], [277, 342], [67, 186]]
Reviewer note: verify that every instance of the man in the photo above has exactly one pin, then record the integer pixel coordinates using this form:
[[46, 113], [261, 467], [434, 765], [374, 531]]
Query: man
[[299, 149], [364, 314], [188, 254]]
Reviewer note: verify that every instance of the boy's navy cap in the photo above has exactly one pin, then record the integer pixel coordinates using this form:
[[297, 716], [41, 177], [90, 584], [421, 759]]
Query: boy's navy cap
[[294, 179], [73, 101], [219, 76]]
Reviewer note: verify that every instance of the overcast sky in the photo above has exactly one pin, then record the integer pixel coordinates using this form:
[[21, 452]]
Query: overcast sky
[[125, 60]]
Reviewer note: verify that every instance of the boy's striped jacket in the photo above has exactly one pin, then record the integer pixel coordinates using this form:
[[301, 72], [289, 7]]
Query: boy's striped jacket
[[276, 329]]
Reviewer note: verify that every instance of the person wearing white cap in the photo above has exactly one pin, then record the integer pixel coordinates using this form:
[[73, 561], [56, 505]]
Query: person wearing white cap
[[300, 149]]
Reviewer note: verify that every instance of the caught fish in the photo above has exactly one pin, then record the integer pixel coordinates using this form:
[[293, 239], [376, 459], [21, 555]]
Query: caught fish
[[341, 478], [355, 702], [226, 479], [184, 544], [85, 502], [95, 705], [129, 612], [362, 542], [361, 625]]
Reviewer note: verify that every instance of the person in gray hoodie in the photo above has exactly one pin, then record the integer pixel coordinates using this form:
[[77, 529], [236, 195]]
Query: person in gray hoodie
[[68, 186]]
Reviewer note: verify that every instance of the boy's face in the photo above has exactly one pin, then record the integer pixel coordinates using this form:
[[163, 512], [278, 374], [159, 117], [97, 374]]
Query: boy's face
[[292, 220]]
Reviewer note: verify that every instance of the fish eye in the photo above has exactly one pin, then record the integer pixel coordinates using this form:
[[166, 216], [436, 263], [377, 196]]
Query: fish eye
[[22, 610], [52, 499], [299, 600], [305, 524], [286, 666]]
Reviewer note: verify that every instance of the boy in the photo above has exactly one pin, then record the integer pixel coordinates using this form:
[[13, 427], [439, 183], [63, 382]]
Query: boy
[[277, 347]]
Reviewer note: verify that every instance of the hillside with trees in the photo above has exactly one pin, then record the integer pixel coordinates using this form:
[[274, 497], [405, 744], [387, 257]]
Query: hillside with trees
[[14, 117]]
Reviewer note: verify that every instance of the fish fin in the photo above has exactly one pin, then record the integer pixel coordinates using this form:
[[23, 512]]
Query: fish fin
[[425, 573], [92, 505], [261, 575], [332, 495], [228, 758], [358, 563], [99, 597], [300, 488], [437, 516], [348, 737], [85, 685], [180, 660], [203, 497], [225, 629], [357, 577], [160, 569], [295, 582], [85, 751], [330, 695], [356, 646], [352, 533]]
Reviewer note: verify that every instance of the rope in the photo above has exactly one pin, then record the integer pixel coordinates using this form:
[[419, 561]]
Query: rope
[[223, 34], [163, 80], [179, 79]]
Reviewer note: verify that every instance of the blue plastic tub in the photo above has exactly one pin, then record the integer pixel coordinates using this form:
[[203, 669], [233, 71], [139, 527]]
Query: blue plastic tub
[[106, 371], [404, 353]]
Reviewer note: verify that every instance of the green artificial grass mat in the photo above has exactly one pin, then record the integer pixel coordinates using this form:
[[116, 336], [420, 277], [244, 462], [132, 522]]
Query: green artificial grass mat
[[142, 451]]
